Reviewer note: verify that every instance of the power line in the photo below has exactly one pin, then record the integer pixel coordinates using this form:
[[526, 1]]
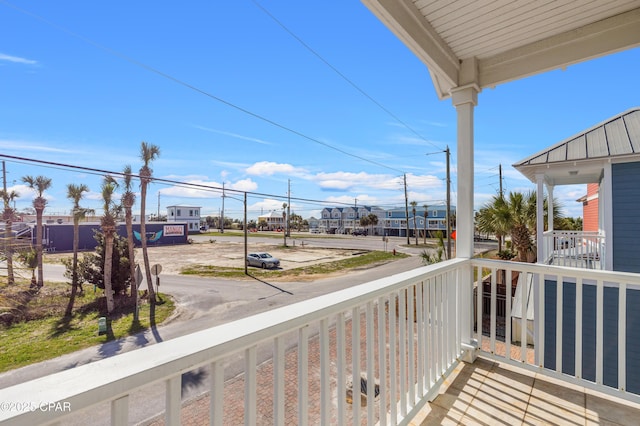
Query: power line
[[195, 88], [95, 171], [344, 77]]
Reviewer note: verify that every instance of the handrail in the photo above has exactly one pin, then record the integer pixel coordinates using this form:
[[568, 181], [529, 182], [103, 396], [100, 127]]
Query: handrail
[[112, 379]]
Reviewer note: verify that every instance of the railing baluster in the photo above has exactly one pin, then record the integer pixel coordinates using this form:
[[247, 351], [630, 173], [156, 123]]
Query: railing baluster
[[393, 370], [559, 310], [303, 375], [382, 364], [507, 315], [525, 291], [411, 340], [120, 411], [355, 362], [479, 304], [622, 337], [325, 374], [173, 397], [492, 329], [371, 380], [440, 329], [402, 320], [540, 319], [420, 335], [578, 347], [599, 330], [341, 364], [249, 386], [446, 330], [278, 381], [427, 333], [216, 394]]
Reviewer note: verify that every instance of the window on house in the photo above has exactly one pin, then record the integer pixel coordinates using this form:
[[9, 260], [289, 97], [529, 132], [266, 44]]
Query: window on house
[[178, 212], [434, 213], [191, 213]]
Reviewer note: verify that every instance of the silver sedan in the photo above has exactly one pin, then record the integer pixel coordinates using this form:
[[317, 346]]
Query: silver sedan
[[262, 260]]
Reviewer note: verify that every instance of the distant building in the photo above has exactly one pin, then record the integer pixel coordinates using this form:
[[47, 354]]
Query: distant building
[[590, 208], [391, 222], [274, 220], [187, 214]]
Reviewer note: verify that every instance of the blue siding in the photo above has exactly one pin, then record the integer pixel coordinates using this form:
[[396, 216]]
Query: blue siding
[[610, 335], [626, 220]]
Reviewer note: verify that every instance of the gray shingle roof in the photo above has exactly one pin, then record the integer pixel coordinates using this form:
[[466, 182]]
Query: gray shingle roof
[[617, 136]]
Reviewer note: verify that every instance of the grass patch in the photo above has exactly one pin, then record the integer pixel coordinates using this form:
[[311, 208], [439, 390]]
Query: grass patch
[[44, 333], [365, 259]]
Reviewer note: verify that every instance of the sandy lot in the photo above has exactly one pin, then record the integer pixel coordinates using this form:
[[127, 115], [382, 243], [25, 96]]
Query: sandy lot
[[230, 254]]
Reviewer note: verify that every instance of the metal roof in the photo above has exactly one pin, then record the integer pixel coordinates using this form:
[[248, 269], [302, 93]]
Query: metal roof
[[617, 137], [489, 42]]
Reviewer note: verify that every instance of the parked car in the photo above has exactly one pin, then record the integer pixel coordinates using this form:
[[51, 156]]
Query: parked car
[[262, 260], [359, 232]]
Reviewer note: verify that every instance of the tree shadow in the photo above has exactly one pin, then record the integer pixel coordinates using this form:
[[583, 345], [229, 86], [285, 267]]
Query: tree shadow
[[193, 379], [112, 345], [152, 318]]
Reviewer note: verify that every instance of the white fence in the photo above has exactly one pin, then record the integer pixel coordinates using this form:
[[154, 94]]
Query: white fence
[[578, 249]]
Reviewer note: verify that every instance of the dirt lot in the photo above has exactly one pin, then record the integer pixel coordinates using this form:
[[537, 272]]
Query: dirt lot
[[174, 258]]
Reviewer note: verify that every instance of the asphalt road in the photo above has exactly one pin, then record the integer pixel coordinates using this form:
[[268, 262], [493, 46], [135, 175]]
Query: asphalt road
[[203, 303]]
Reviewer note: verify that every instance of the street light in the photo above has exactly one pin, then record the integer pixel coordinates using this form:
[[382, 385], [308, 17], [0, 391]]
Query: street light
[[448, 212]]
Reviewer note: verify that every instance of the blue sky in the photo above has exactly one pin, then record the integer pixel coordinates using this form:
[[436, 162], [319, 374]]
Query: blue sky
[[235, 94]]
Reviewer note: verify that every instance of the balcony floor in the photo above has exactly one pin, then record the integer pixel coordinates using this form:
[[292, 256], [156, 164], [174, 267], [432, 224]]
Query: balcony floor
[[490, 393]]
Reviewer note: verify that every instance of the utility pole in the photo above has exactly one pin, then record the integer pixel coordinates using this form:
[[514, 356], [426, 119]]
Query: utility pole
[[406, 208], [448, 203], [244, 226], [289, 209], [158, 218], [222, 217], [500, 173]]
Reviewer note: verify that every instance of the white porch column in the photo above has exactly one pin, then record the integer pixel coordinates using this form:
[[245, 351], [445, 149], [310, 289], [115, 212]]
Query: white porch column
[[540, 218], [465, 99], [549, 208]]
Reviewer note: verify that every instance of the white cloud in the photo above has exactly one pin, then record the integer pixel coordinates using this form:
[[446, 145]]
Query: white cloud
[[17, 60], [269, 168]]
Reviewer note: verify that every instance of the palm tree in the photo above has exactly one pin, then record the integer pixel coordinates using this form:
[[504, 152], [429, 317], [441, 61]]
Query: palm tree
[[425, 214], [516, 216], [365, 221], [493, 219], [413, 210], [128, 200], [7, 216], [148, 153], [108, 226], [39, 184], [373, 220], [75, 193]]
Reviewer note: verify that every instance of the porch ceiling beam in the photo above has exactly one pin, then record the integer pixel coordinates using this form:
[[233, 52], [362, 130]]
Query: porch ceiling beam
[[406, 22], [597, 39]]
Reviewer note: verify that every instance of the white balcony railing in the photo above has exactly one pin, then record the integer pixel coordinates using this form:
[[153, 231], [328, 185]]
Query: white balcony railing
[[402, 333], [578, 249]]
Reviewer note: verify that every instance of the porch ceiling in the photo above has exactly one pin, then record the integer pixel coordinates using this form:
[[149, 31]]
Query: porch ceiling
[[489, 42]]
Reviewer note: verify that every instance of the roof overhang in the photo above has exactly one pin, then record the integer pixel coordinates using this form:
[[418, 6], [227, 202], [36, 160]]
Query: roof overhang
[[487, 43]]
